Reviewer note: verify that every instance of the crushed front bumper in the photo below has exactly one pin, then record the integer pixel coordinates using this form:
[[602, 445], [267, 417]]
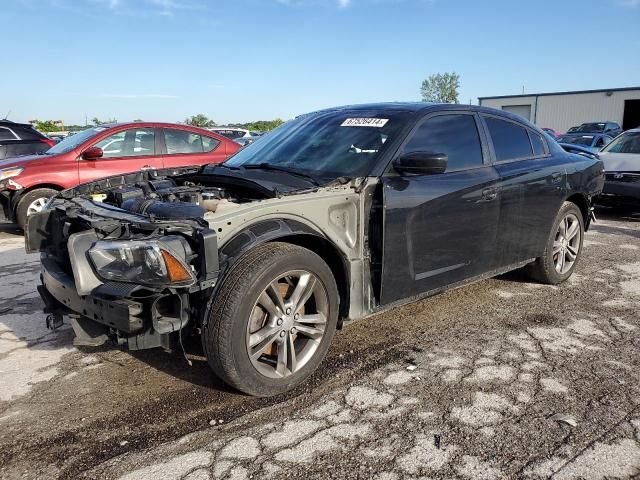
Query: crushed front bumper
[[122, 314]]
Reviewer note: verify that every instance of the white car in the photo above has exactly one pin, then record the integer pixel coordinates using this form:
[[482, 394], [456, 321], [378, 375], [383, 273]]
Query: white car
[[231, 132], [621, 160]]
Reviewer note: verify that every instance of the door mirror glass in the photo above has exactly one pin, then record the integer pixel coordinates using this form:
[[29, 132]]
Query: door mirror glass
[[92, 153], [421, 163]]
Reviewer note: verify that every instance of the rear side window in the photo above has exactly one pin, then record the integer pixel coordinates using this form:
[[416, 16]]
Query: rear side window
[[6, 134], [510, 141], [538, 145], [455, 135], [182, 141]]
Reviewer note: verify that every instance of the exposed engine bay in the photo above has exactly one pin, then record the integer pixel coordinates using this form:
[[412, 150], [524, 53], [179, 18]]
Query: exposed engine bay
[[169, 199]]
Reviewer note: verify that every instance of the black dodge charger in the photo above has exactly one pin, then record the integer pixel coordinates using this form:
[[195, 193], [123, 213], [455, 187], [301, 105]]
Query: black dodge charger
[[334, 216]]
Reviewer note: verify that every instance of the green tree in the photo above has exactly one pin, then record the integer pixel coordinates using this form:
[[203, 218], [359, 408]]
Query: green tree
[[47, 126], [441, 88], [97, 122], [261, 125], [200, 120]]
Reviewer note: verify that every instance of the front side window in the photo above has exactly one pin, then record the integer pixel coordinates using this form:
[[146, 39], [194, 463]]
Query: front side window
[[129, 143], [510, 141], [455, 135], [182, 141], [628, 142]]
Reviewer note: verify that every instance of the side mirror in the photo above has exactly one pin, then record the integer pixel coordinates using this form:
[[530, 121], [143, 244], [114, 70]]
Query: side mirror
[[421, 163], [92, 153]]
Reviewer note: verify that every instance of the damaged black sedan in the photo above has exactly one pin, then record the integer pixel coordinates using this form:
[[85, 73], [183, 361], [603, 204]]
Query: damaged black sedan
[[336, 215]]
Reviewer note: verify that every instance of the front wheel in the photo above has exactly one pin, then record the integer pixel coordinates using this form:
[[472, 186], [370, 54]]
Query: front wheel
[[32, 202], [273, 320], [563, 248]]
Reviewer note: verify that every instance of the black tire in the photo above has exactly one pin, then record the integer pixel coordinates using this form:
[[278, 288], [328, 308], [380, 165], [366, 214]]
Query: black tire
[[27, 199], [224, 336], [544, 269]]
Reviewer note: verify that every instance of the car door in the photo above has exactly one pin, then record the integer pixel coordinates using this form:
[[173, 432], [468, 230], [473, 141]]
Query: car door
[[532, 186], [184, 148], [441, 228], [124, 151]]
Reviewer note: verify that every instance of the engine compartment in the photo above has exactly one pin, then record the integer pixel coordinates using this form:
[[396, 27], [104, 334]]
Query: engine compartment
[[170, 199]]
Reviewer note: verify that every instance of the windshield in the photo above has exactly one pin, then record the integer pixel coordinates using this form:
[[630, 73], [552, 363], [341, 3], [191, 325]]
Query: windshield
[[628, 142], [590, 127], [326, 145], [577, 140], [73, 141]]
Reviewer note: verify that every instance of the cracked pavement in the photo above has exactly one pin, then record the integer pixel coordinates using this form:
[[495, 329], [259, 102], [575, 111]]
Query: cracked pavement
[[505, 378]]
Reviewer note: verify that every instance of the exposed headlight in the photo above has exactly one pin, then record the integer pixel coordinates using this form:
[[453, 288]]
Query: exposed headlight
[[10, 172], [136, 261]]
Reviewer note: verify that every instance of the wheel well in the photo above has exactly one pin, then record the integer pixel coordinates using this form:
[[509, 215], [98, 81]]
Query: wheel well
[[334, 259], [581, 201], [20, 193]]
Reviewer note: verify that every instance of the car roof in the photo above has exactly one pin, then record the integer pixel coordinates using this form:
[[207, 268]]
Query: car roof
[[420, 107], [9, 123]]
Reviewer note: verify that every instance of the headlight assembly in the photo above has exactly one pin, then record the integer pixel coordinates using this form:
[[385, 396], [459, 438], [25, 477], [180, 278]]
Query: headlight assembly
[[10, 172], [139, 261]]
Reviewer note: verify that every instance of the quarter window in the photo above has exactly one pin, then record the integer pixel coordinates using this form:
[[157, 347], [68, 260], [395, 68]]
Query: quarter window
[[129, 143], [538, 145], [182, 141], [455, 135], [510, 141], [5, 134]]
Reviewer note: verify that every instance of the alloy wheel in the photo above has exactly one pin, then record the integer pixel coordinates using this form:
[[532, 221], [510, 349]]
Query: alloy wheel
[[37, 205], [287, 324], [566, 244]]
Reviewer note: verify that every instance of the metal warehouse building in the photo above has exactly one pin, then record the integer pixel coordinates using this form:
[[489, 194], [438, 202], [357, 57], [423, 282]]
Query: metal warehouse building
[[562, 110]]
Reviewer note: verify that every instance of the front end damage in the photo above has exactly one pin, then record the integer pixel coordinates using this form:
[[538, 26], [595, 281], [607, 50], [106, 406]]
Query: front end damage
[[119, 274], [136, 259]]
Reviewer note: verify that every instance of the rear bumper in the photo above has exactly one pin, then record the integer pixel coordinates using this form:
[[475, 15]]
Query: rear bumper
[[58, 291]]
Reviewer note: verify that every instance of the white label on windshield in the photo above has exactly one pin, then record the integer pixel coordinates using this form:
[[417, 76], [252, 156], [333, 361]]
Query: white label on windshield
[[365, 122]]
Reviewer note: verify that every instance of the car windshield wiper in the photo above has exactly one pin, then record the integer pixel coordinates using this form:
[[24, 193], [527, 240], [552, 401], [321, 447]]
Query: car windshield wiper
[[277, 168]]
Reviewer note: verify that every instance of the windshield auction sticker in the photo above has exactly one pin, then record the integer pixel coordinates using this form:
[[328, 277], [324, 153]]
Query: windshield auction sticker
[[365, 122]]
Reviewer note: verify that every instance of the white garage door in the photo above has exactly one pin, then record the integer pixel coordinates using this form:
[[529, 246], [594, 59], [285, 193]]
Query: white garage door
[[522, 110]]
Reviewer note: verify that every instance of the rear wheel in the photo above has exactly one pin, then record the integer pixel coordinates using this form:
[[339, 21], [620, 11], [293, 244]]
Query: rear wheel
[[563, 248], [32, 202], [273, 320]]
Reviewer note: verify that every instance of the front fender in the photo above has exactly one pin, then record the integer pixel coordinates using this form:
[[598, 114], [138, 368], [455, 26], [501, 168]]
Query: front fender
[[261, 232]]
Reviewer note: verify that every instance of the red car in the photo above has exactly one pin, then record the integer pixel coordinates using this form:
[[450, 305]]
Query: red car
[[27, 182]]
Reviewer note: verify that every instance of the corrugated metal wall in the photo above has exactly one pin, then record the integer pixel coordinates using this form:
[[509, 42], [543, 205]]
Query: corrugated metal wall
[[563, 111]]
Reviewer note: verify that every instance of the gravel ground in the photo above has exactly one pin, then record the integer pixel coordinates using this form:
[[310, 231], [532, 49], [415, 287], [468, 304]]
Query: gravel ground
[[501, 379]]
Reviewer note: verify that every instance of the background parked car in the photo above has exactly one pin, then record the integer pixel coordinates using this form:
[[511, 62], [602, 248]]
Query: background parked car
[[593, 142], [26, 183], [231, 132], [621, 160], [551, 132], [21, 139], [610, 128]]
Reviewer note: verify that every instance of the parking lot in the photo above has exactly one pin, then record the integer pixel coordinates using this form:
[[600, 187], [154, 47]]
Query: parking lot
[[501, 379]]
